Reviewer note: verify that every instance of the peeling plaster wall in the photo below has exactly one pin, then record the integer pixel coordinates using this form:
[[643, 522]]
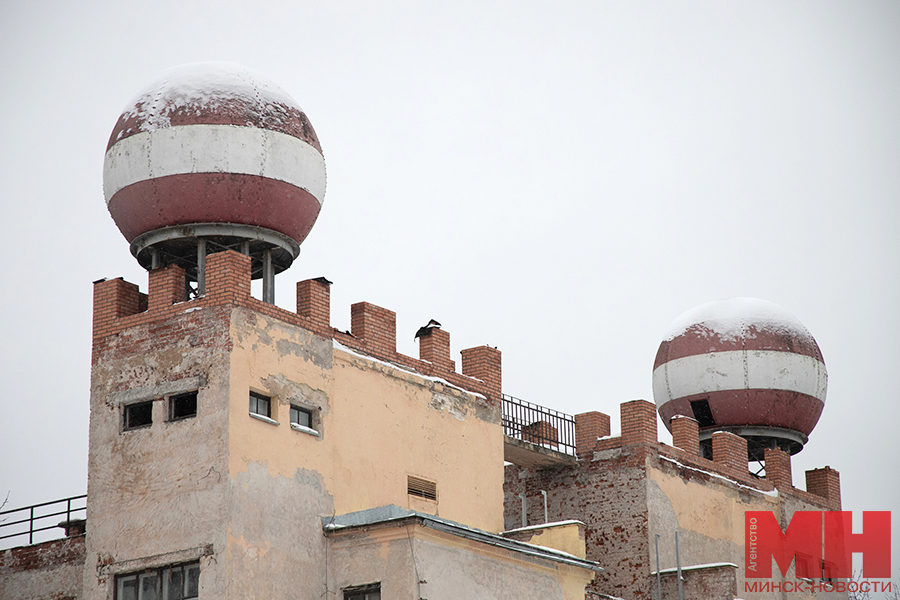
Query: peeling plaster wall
[[158, 489], [709, 513], [245, 495], [449, 567], [376, 424], [48, 571]]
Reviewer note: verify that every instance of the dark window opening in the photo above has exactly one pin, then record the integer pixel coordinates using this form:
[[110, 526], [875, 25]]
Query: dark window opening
[[183, 406], [260, 405], [139, 415], [702, 413], [179, 582], [416, 486], [371, 591], [301, 416]]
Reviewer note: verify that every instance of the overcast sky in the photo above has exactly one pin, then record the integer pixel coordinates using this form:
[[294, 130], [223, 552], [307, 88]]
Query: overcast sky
[[558, 180]]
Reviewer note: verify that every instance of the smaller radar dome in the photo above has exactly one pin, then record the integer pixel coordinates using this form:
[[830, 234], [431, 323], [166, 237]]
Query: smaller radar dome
[[214, 152], [742, 365]]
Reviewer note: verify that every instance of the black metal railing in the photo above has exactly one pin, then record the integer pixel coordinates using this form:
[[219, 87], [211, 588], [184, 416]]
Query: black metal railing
[[29, 520], [538, 424]]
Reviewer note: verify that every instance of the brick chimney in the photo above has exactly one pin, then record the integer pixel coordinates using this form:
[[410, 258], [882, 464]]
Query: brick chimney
[[778, 468], [114, 299], [686, 434], [826, 483], [483, 362], [434, 347], [227, 276], [376, 326], [638, 422], [314, 301], [589, 427], [167, 286], [730, 450]]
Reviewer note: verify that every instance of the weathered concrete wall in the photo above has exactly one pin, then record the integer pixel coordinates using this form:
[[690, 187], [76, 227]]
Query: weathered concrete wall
[[419, 562], [159, 489], [47, 571]]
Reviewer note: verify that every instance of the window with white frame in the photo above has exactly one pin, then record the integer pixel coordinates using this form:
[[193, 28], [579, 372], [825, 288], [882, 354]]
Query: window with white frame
[[175, 582]]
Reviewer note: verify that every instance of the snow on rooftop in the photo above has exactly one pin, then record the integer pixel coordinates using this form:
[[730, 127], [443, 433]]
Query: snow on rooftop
[[545, 525], [696, 567], [444, 382], [730, 319], [773, 493], [205, 86]]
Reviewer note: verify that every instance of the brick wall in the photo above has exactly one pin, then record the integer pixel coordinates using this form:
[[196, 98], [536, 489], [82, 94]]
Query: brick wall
[[541, 432], [609, 496], [709, 583]]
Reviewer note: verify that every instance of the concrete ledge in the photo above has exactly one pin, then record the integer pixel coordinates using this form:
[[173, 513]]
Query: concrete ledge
[[526, 454]]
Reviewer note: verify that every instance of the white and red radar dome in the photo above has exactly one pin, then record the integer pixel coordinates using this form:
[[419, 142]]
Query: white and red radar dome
[[741, 364], [214, 143]]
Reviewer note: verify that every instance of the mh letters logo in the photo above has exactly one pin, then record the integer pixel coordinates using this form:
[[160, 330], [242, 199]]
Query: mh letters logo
[[822, 542]]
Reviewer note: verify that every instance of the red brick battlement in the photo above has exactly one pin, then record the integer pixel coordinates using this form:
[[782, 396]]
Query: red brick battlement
[[119, 305], [639, 434]]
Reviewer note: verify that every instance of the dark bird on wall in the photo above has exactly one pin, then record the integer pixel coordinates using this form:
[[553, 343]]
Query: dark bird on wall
[[426, 330]]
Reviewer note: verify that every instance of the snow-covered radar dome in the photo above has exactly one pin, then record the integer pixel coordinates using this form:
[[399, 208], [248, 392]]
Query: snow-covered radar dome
[[742, 365], [214, 151]]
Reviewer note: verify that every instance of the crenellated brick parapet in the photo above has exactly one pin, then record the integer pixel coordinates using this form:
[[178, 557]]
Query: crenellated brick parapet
[[119, 305]]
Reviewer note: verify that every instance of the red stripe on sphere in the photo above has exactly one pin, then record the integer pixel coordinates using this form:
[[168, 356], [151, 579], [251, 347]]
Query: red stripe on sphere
[[214, 197]]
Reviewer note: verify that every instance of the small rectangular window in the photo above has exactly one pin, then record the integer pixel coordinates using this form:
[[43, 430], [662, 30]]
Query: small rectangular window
[[260, 405], [138, 415], [371, 591], [416, 486], [301, 417], [183, 406], [178, 582]]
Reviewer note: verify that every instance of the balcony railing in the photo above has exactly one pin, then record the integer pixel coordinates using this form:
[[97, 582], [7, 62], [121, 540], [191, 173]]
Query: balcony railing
[[29, 520], [538, 424]]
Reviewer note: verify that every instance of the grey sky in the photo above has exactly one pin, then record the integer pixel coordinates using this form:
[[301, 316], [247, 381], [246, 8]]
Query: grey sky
[[558, 181]]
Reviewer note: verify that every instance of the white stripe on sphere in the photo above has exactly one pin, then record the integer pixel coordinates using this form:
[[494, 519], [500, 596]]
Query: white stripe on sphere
[[213, 149], [739, 370]]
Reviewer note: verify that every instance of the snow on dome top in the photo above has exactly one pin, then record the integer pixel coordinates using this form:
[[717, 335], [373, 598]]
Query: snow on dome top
[[730, 319], [213, 93]]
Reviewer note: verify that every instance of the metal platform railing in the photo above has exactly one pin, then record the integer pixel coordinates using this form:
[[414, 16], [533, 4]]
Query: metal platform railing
[[29, 520], [538, 424]]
